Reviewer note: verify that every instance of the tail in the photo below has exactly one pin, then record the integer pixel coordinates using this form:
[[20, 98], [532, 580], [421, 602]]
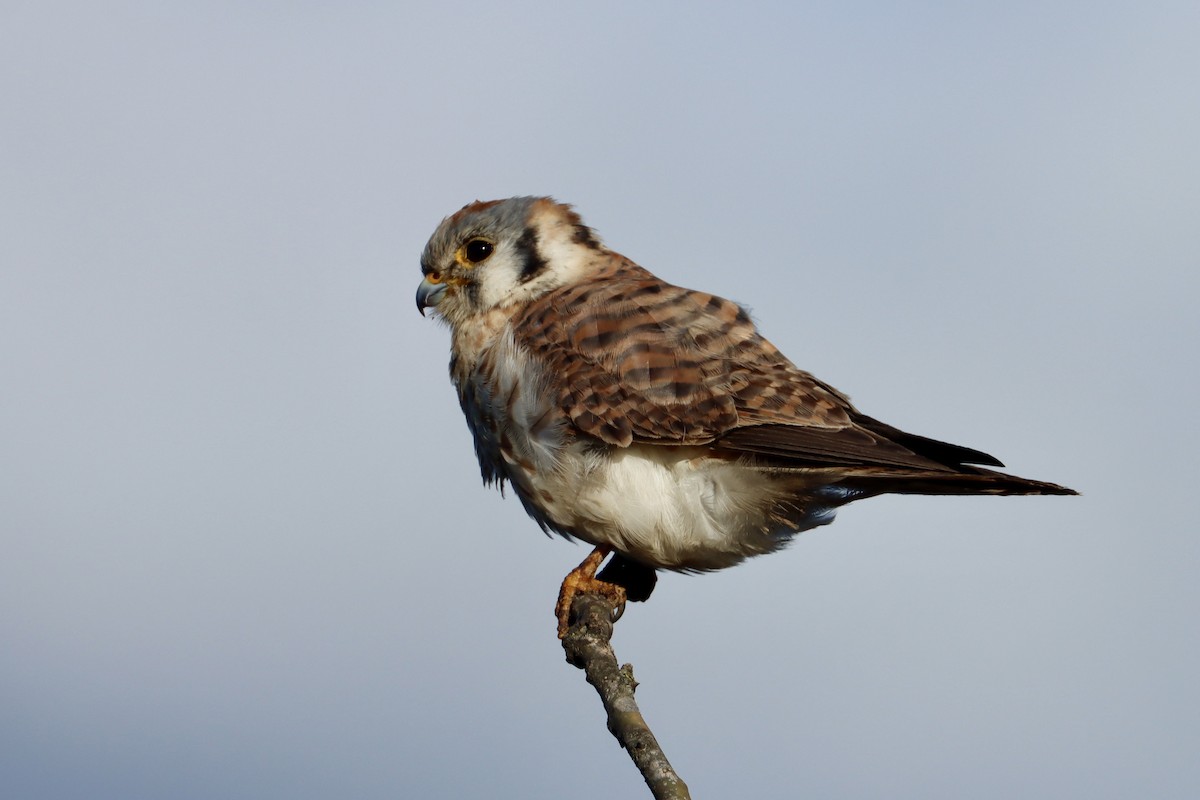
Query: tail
[[972, 480]]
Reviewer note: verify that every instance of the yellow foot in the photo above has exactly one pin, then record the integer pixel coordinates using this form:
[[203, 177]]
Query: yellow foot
[[582, 580]]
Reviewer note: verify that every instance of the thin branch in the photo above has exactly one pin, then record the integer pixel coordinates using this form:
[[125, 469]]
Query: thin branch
[[587, 645]]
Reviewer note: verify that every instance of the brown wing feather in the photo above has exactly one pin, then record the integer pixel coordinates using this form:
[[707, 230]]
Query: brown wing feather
[[850, 447], [640, 360], [645, 361]]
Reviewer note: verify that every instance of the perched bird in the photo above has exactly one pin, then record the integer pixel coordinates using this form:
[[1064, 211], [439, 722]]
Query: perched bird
[[651, 421]]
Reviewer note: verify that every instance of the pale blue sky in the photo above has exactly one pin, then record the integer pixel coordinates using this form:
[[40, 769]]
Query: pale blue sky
[[245, 549]]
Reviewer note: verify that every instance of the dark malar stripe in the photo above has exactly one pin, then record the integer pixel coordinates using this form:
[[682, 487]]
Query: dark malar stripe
[[472, 290], [532, 264]]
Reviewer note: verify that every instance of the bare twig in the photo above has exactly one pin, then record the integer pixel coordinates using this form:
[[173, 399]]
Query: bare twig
[[587, 645]]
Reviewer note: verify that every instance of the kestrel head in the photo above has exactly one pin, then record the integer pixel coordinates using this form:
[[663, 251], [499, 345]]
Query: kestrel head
[[502, 253]]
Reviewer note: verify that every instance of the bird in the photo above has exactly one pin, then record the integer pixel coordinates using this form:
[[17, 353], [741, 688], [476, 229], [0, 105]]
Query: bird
[[651, 421]]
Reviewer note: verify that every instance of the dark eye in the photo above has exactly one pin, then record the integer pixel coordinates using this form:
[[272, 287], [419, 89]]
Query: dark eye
[[477, 250]]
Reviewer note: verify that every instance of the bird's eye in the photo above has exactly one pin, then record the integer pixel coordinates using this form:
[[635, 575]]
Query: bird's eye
[[477, 250]]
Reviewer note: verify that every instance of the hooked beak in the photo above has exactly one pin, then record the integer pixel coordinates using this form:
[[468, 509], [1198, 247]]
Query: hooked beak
[[429, 294]]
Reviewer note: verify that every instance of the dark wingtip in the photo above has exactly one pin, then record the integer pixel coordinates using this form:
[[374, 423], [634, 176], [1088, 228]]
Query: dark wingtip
[[951, 455]]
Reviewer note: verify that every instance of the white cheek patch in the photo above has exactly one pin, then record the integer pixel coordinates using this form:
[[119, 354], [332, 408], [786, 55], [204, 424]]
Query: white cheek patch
[[565, 257], [498, 278]]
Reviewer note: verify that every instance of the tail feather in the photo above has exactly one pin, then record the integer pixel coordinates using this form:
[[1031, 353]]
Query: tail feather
[[977, 481]]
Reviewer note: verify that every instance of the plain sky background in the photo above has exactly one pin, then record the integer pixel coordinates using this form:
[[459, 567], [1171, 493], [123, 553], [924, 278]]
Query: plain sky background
[[244, 550]]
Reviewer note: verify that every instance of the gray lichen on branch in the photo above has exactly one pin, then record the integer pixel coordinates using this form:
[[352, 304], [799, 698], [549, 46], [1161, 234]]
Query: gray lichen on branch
[[588, 646]]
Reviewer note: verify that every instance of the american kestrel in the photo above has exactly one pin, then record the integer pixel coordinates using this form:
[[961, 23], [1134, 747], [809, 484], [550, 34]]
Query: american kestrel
[[651, 421]]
